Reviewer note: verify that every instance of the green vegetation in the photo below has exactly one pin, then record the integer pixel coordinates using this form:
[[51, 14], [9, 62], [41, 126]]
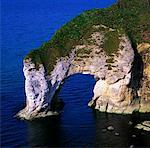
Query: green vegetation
[[111, 42], [132, 16], [83, 51]]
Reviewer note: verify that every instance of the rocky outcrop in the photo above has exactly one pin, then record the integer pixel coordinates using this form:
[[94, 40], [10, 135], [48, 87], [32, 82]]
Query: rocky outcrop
[[136, 94], [112, 92], [40, 88], [37, 90], [111, 68], [144, 90], [145, 125]]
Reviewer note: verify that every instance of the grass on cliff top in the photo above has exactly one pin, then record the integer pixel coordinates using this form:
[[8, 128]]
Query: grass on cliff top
[[131, 16], [111, 42]]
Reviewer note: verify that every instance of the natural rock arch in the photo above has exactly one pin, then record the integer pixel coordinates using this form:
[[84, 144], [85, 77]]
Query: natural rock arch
[[86, 45], [112, 71]]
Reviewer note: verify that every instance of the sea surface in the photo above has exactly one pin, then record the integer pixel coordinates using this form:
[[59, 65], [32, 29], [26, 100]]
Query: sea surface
[[25, 25]]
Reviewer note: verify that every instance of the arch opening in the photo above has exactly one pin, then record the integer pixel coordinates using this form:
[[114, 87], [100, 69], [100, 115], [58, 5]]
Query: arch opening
[[76, 91]]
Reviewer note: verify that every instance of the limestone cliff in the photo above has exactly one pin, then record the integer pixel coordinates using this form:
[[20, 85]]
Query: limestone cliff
[[144, 91]]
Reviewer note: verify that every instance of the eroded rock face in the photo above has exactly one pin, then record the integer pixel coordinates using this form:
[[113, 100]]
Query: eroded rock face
[[144, 90], [112, 92], [37, 90], [40, 88]]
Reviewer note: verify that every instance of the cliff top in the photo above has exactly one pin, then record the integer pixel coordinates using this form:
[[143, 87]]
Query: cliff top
[[130, 17]]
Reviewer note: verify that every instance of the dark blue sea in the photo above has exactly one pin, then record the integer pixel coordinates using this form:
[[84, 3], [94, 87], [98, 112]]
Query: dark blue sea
[[25, 25]]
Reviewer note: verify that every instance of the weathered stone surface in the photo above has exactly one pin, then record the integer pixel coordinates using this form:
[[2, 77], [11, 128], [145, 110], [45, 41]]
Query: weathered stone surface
[[111, 92], [144, 91], [118, 97], [37, 90], [40, 88]]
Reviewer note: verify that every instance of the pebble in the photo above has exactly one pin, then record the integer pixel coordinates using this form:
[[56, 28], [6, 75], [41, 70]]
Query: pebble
[[110, 128]]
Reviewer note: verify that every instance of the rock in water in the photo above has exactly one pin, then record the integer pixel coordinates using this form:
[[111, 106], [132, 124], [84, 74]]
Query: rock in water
[[110, 128], [144, 126]]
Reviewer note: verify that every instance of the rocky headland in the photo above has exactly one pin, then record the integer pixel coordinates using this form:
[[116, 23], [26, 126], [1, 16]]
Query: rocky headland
[[117, 54]]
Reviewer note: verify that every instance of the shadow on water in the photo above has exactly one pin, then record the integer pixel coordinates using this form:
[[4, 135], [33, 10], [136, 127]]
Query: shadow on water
[[44, 132], [80, 126], [124, 133], [49, 132]]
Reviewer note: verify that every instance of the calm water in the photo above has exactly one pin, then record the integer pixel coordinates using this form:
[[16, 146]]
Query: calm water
[[26, 25]]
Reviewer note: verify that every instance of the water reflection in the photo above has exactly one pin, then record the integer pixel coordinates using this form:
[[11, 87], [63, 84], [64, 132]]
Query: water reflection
[[44, 132], [51, 132]]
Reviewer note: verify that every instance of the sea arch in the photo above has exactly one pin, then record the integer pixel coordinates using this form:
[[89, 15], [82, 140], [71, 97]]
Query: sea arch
[[112, 71]]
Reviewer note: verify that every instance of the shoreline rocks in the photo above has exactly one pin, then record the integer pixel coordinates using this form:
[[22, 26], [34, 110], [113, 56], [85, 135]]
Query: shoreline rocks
[[144, 126], [110, 128]]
